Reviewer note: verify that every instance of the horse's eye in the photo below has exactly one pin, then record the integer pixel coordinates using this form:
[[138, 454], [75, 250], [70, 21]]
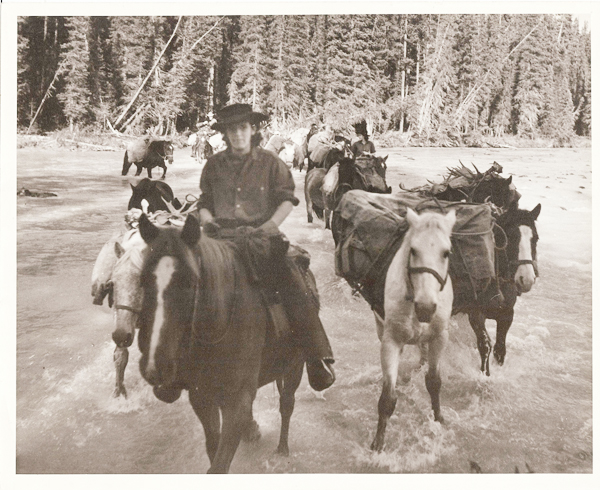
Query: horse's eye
[[446, 254], [413, 252]]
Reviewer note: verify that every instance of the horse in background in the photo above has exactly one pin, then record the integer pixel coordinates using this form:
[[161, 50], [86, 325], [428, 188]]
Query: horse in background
[[418, 305], [516, 263], [204, 327], [147, 154], [323, 188], [325, 156]]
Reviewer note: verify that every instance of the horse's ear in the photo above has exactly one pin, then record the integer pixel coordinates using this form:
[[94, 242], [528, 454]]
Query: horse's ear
[[509, 180], [119, 250], [451, 218], [191, 231], [535, 212], [132, 187], [385, 159], [412, 217], [148, 231]]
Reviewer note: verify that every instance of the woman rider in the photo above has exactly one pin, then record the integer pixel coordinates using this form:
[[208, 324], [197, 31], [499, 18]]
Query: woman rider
[[246, 185]]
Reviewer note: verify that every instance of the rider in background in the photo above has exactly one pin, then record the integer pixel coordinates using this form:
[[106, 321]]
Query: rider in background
[[248, 186], [363, 146]]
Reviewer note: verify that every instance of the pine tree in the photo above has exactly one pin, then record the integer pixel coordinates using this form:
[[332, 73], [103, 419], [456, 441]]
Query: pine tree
[[77, 96], [248, 81]]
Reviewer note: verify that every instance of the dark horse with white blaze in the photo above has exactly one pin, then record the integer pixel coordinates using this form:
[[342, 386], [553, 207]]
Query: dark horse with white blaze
[[204, 325], [516, 263], [147, 154]]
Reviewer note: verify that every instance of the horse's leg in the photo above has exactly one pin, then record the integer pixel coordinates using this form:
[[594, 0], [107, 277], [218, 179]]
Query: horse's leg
[[327, 213], [120, 358], [164, 167], [390, 358], [433, 380], [503, 323], [287, 386], [149, 170], [139, 170], [484, 344], [308, 202], [237, 414], [208, 414]]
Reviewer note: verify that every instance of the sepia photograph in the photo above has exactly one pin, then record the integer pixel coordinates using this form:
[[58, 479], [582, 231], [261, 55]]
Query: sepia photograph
[[315, 239]]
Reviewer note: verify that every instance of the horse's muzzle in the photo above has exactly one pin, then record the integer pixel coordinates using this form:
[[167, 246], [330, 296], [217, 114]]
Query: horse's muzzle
[[425, 311]]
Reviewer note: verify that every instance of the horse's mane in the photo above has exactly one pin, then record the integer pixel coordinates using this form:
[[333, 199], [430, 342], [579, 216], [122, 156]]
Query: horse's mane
[[217, 273]]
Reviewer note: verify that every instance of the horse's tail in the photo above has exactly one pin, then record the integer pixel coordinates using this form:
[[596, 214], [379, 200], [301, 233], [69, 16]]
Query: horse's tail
[[126, 164]]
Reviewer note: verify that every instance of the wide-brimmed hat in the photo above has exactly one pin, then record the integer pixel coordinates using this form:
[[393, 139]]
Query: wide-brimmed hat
[[236, 113]]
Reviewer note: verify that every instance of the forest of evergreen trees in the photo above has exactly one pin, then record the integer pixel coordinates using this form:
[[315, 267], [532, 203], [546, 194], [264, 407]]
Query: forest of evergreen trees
[[432, 76]]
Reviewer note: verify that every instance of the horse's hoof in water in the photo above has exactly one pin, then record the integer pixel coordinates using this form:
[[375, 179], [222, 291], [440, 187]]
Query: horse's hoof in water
[[439, 418], [120, 390], [251, 432], [167, 395], [283, 450], [377, 445], [499, 354]]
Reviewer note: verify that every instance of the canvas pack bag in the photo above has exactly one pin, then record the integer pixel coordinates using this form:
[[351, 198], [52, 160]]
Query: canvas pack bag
[[369, 228]]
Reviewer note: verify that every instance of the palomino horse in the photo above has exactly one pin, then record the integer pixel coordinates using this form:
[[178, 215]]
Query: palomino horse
[[323, 189], [204, 327], [116, 274], [147, 155], [418, 305], [516, 262]]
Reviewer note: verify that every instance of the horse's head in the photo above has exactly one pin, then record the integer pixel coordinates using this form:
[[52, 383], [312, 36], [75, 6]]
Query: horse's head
[[164, 148], [498, 190], [521, 247], [169, 278], [168, 151], [427, 248], [157, 194], [371, 172], [125, 291]]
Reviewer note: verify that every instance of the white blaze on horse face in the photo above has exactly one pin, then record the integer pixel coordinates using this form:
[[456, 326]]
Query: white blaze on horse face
[[525, 274], [163, 273]]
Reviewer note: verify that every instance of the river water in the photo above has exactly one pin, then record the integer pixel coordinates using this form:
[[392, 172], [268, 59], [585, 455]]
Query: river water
[[534, 410]]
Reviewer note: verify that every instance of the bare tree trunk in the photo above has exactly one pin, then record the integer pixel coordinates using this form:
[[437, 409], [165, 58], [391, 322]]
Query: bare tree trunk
[[402, 89], [149, 75], [47, 94]]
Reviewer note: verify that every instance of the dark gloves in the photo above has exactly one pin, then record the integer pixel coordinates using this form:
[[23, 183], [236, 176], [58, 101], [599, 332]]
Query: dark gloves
[[212, 229]]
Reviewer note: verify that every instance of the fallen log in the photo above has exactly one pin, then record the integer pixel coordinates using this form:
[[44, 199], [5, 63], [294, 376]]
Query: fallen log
[[100, 147]]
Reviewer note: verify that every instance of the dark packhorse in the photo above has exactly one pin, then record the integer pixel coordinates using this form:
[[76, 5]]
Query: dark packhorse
[[329, 158], [462, 184], [323, 188], [203, 321], [148, 155], [516, 240]]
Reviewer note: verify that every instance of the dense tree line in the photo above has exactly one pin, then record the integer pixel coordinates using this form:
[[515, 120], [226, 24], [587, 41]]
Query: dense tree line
[[437, 76]]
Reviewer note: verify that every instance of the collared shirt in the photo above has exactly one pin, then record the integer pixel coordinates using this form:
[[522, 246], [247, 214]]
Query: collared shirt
[[245, 190], [358, 148]]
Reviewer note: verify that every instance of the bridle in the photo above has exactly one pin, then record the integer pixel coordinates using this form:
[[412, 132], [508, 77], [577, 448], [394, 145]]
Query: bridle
[[423, 270], [128, 308]]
